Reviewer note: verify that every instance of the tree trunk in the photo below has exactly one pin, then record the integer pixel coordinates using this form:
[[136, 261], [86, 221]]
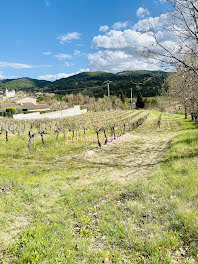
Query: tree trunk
[[186, 112]]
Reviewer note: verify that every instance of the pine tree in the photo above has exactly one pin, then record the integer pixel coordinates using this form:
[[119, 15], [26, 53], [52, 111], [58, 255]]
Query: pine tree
[[140, 101]]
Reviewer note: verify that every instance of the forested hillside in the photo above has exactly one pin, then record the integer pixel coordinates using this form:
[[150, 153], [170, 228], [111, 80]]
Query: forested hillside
[[92, 83], [24, 84]]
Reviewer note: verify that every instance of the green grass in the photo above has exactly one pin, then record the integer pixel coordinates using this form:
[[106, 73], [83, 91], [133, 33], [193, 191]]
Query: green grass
[[60, 206]]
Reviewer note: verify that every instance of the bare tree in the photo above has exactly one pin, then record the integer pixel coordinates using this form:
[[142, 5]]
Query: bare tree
[[174, 44], [179, 89], [184, 87], [181, 24]]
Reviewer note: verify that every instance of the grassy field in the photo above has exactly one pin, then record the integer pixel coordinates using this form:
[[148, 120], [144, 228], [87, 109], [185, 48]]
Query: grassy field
[[128, 202]]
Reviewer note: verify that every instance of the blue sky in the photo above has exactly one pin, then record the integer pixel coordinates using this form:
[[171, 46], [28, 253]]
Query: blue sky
[[50, 39]]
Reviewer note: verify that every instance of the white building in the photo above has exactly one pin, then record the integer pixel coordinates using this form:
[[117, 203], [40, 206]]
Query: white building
[[10, 94]]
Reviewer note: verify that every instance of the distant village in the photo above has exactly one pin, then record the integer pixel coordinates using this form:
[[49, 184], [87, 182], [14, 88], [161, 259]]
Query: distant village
[[23, 107], [10, 100]]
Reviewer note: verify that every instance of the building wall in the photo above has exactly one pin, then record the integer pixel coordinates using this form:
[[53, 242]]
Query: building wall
[[38, 110], [52, 115]]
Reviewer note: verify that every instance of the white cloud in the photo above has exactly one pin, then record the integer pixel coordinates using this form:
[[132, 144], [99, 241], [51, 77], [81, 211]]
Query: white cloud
[[68, 64], [103, 28], [119, 25], [68, 37], [116, 61], [155, 23], [62, 56], [120, 50], [121, 40], [47, 53], [16, 65], [142, 12], [53, 77], [77, 52]]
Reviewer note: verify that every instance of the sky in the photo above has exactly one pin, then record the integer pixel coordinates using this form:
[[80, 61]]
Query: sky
[[53, 39]]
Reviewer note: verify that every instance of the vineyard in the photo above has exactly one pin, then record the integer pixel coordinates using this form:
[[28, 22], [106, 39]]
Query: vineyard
[[65, 198], [106, 126]]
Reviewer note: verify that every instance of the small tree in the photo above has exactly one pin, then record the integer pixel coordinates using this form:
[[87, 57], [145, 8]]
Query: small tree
[[140, 101], [122, 97]]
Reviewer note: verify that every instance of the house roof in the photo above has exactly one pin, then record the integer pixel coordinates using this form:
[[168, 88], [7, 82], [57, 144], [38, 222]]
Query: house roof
[[25, 100]]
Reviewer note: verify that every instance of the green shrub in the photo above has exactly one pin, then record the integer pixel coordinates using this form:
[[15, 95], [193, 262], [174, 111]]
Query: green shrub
[[150, 102], [39, 99], [10, 111]]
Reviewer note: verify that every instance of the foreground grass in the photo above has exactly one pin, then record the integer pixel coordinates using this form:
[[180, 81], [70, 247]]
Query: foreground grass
[[59, 206]]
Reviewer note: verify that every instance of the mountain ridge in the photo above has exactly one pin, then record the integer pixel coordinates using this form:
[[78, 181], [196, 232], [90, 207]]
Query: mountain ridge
[[92, 83]]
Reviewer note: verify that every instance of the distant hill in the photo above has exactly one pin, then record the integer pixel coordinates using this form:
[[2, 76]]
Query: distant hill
[[92, 83], [23, 84]]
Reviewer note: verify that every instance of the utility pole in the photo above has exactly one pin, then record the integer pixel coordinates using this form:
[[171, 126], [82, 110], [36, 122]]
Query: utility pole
[[108, 88], [131, 98], [109, 99]]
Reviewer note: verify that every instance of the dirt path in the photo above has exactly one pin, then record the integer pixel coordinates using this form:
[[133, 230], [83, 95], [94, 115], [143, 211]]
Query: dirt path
[[144, 148]]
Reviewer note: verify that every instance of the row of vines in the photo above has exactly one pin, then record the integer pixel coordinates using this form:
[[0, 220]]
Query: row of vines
[[110, 124]]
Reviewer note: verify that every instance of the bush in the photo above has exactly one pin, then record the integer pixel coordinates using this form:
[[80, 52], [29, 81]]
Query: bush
[[10, 111], [150, 102], [39, 99], [2, 113]]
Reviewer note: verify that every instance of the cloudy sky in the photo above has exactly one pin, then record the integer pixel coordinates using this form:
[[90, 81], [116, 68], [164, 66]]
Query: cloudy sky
[[52, 39]]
